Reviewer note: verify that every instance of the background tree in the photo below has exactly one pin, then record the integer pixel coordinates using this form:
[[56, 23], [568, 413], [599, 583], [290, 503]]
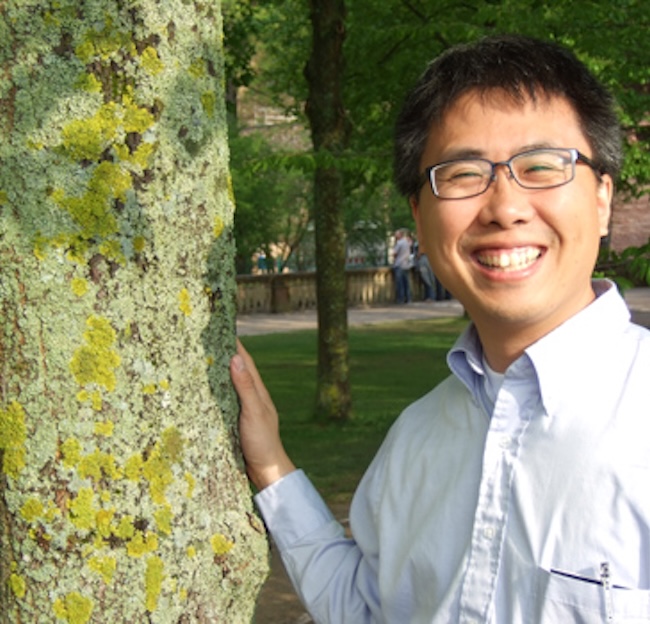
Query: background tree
[[122, 495], [329, 131]]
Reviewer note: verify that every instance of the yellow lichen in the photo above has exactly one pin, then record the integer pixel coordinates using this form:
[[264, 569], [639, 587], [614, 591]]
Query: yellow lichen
[[157, 469], [139, 243], [18, 585], [13, 435], [197, 69], [154, 576], [104, 566], [133, 467], [218, 227], [71, 452], [74, 608], [95, 398], [82, 513], [184, 303], [32, 509], [103, 520], [191, 552], [151, 61], [149, 388], [142, 544], [221, 545], [97, 465], [191, 484], [96, 361], [104, 428], [79, 286], [163, 517], [125, 529], [164, 384], [89, 83], [173, 444], [209, 102]]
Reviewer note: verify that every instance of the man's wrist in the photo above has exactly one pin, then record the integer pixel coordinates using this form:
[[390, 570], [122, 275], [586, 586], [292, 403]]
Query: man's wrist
[[263, 477]]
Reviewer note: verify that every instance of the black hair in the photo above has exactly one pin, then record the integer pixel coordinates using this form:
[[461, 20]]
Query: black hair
[[523, 68]]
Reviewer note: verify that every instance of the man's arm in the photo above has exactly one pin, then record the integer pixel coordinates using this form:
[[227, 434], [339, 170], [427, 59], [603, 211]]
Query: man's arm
[[336, 583], [259, 429]]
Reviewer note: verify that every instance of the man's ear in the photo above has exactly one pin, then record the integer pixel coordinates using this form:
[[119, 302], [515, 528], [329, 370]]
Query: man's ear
[[415, 211], [604, 197]]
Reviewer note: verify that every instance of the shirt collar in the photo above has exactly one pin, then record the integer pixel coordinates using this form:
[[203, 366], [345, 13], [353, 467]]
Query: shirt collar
[[606, 316]]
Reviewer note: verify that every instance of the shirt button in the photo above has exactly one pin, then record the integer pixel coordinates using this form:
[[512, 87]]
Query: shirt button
[[488, 533], [505, 441]]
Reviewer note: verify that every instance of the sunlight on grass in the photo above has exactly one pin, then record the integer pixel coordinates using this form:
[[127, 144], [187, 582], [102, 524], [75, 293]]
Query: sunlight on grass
[[391, 365]]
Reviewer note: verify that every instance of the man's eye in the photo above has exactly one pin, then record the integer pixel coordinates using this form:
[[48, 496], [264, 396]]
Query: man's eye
[[460, 174]]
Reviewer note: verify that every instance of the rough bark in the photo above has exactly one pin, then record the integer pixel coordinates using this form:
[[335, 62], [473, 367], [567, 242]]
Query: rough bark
[[122, 494], [329, 130]]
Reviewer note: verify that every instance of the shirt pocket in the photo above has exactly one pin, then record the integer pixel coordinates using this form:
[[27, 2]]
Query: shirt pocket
[[562, 598]]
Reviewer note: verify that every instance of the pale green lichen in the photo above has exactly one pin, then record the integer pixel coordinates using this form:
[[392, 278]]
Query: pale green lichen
[[96, 361], [154, 576], [13, 435]]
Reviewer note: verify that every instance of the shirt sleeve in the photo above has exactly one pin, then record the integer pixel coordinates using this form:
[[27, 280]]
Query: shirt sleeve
[[335, 582]]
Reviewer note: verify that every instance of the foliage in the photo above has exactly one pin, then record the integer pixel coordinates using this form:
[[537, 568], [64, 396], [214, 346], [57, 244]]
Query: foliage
[[273, 199], [629, 268], [388, 44]]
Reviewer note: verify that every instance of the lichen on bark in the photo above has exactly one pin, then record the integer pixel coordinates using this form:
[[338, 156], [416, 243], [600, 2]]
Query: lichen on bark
[[122, 494]]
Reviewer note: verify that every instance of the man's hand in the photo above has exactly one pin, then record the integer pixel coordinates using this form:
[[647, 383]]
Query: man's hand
[[259, 430]]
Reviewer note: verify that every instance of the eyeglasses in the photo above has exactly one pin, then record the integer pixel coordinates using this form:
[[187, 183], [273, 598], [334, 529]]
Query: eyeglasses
[[535, 169]]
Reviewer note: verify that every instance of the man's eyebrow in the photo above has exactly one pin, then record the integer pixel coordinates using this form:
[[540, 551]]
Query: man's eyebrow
[[469, 152]]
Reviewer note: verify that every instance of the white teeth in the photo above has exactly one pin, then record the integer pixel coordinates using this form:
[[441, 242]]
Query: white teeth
[[513, 260]]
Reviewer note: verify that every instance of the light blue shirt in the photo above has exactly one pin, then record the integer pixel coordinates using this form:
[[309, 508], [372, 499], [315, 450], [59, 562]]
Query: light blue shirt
[[495, 509]]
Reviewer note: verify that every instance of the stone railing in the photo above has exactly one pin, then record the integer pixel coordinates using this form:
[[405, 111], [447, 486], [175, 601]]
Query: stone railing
[[290, 292]]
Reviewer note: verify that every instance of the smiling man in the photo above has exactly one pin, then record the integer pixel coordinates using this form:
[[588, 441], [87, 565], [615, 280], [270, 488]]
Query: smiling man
[[517, 490]]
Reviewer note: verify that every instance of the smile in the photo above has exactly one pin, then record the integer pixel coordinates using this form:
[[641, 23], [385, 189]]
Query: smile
[[509, 260]]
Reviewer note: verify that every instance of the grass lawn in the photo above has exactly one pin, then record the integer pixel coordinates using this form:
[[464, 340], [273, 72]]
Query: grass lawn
[[391, 365]]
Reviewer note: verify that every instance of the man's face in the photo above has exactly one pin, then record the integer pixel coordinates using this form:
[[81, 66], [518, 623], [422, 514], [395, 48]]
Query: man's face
[[519, 260]]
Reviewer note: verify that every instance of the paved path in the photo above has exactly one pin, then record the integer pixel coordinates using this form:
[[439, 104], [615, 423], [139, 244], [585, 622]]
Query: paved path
[[255, 324]]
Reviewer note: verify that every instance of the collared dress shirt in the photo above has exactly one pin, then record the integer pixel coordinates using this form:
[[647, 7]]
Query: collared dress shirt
[[521, 500]]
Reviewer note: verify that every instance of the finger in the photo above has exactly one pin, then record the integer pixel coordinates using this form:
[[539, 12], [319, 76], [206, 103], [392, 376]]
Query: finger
[[249, 365]]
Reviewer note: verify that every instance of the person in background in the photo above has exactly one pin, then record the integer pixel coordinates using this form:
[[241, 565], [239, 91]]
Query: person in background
[[402, 266], [516, 491]]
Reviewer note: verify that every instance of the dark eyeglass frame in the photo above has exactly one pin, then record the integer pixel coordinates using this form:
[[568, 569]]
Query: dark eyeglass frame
[[576, 157]]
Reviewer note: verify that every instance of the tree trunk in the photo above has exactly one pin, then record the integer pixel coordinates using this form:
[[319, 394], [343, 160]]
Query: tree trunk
[[329, 129], [122, 494]]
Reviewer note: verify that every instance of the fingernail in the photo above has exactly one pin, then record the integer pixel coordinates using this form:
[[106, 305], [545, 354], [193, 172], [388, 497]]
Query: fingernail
[[238, 362]]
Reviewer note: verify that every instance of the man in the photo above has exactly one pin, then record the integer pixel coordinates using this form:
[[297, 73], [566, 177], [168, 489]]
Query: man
[[401, 266], [517, 491]]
